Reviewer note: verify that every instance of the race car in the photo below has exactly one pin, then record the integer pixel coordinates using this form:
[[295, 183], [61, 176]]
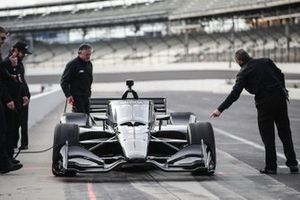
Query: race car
[[127, 132]]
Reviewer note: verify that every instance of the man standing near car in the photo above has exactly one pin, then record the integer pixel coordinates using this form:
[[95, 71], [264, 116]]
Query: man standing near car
[[265, 80], [18, 95], [77, 79], [6, 164], [24, 115]]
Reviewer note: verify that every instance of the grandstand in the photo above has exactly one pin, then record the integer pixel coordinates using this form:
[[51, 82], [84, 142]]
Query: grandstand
[[156, 31]]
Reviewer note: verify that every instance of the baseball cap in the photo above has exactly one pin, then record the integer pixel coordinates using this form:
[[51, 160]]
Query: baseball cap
[[22, 46]]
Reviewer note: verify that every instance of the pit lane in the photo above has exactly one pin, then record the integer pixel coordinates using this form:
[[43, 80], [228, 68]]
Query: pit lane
[[236, 175]]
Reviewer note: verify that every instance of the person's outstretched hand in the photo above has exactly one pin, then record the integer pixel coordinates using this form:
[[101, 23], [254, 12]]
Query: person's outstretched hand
[[215, 113]]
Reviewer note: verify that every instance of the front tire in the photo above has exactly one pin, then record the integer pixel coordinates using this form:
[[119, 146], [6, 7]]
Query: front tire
[[203, 131], [63, 133]]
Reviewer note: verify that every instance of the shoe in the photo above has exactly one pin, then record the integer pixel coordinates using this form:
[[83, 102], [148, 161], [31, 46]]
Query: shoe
[[15, 161], [23, 147], [268, 171], [294, 169], [11, 167]]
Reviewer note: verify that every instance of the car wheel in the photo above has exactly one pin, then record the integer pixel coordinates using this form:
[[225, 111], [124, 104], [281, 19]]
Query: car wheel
[[203, 131], [63, 133]]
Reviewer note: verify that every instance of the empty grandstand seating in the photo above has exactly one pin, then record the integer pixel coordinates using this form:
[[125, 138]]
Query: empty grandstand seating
[[200, 47], [159, 8], [169, 47]]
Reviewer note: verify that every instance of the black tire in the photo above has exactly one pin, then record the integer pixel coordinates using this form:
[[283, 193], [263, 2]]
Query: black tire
[[203, 131], [63, 133], [182, 118]]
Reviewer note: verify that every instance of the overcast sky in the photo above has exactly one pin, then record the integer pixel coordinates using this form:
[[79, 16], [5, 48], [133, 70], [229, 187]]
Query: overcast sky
[[10, 3]]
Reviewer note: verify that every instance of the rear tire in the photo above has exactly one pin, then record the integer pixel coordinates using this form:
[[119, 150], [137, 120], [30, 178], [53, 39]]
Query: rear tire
[[63, 133], [203, 131]]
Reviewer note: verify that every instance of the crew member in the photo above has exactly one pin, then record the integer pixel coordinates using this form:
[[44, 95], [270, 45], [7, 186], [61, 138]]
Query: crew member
[[18, 95], [6, 164], [265, 80], [77, 79], [24, 116]]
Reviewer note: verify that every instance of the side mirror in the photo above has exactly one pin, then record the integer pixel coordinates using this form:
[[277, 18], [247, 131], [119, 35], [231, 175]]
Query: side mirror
[[102, 118], [162, 118]]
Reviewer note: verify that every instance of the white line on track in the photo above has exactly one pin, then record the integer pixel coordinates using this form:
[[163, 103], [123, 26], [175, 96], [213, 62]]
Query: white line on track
[[253, 144], [295, 119], [257, 146]]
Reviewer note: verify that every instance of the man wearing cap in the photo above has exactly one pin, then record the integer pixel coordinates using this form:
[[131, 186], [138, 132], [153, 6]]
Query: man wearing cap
[[24, 108], [18, 94], [77, 79], [6, 165]]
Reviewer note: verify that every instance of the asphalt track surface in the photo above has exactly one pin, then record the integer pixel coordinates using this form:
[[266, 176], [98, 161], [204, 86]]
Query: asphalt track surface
[[152, 75], [239, 153], [238, 159]]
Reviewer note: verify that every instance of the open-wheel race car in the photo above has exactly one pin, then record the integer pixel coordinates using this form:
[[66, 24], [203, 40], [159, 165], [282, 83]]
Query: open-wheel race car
[[123, 132]]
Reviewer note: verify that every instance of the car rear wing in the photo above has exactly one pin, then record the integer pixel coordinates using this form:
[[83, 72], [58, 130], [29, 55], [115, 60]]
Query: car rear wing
[[99, 105]]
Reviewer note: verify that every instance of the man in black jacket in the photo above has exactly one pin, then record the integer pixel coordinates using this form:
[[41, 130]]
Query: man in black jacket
[[77, 79], [262, 78], [18, 94], [24, 115], [6, 164]]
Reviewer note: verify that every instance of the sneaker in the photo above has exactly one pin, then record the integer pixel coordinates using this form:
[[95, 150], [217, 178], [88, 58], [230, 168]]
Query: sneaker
[[23, 147], [294, 169], [268, 171], [11, 167]]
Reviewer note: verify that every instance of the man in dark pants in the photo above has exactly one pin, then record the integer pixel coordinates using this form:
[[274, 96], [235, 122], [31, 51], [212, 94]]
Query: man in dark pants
[[18, 95], [24, 127], [24, 115], [262, 78], [6, 164], [77, 79]]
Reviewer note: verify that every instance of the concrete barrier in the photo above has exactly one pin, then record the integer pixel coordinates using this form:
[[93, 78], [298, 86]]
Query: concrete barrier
[[42, 104]]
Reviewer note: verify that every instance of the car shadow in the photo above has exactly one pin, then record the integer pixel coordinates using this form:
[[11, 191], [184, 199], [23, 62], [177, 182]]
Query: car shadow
[[137, 174]]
